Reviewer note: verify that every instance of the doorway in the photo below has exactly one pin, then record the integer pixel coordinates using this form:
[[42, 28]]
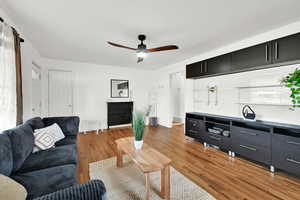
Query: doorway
[[177, 98], [36, 102], [60, 93]]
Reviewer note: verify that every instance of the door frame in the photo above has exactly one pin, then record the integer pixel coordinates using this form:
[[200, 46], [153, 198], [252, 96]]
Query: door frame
[[183, 98], [72, 87]]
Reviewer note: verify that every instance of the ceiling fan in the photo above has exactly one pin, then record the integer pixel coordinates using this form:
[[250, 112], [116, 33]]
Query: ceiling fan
[[141, 50]]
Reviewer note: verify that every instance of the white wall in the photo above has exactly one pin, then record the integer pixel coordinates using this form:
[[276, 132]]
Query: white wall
[[162, 75], [91, 84], [228, 95], [28, 54]]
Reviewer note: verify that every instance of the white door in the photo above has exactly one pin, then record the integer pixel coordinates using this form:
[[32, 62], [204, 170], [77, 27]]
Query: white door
[[60, 93], [36, 103]]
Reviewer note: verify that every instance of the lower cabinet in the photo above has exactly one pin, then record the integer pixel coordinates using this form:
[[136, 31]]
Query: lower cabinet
[[194, 128], [286, 153], [278, 147], [252, 144]]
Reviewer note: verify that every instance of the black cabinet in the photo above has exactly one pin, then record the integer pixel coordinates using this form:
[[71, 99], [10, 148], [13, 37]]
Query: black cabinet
[[252, 143], [119, 113], [286, 150], [286, 49], [255, 56], [274, 144], [268, 54], [218, 65], [194, 128], [196, 70]]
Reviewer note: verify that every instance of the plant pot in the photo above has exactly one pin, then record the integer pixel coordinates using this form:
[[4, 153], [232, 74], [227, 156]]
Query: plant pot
[[138, 144]]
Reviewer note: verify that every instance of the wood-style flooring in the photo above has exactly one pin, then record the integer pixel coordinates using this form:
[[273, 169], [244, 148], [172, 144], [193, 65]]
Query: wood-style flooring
[[213, 170]]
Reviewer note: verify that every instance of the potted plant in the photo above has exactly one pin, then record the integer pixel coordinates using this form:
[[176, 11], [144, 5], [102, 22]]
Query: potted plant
[[292, 81], [138, 126]]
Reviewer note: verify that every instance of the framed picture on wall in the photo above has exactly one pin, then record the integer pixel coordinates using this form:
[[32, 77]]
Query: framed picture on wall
[[119, 88]]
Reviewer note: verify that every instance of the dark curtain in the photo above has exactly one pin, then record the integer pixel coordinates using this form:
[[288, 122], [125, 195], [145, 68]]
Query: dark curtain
[[19, 78]]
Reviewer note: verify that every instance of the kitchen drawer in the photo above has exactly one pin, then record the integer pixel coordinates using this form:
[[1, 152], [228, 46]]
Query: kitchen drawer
[[286, 153], [251, 137], [252, 152], [289, 142]]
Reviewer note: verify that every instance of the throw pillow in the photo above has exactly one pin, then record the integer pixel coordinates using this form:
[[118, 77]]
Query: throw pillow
[[45, 138], [10, 189]]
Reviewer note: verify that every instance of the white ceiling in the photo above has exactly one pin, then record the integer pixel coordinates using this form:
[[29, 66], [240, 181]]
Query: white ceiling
[[78, 30]]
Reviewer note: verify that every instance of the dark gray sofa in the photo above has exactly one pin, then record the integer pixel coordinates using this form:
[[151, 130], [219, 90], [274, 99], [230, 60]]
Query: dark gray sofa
[[48, 174]]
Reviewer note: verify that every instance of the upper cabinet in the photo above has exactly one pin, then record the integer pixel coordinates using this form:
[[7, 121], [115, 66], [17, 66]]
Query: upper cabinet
[[219, 65], [196, 70], [251, 57], [268, 54], [286, 49]]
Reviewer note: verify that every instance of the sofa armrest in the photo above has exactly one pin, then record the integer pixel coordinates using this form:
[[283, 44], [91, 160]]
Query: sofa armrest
[[69, 125], [92, 190]]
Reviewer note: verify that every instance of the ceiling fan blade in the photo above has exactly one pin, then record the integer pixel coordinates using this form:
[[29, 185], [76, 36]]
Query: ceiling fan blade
[[118, 45], [164, 48], [140, 59]]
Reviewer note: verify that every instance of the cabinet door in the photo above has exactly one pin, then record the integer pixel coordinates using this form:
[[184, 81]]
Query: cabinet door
[[218, 65], [251, 57], [194, 128], [286, 49], [193, 70]]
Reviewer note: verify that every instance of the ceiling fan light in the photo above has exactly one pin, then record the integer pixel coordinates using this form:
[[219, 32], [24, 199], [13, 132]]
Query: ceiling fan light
[[141, 54]]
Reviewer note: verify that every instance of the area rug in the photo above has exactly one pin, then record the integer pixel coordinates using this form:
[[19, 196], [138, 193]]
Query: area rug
[[127, 183]]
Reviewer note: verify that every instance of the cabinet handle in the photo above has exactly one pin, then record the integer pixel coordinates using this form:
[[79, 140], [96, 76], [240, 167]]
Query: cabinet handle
[[214, 138], [267, 53], [292, 142], [293, 161], [205, 66], [201, 65], [249, 148], [276, 50], [252, 134]]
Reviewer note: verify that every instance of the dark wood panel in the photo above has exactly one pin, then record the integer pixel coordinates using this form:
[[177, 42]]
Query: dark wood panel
[[255, 56], [287, 49], [218, 65]]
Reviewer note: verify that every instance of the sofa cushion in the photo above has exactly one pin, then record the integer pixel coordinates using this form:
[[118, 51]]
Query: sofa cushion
[[45, 181], [57, 156], [69, 125], [35, 123], [22, 142], [6, 161], [10, 189], [66, 141]]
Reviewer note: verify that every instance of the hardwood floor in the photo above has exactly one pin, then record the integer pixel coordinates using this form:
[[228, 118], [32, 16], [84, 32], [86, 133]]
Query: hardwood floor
[[213, 170]]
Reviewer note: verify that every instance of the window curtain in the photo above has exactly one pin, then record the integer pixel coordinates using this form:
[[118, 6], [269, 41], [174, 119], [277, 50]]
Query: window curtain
[[19, 97], [8, 78]]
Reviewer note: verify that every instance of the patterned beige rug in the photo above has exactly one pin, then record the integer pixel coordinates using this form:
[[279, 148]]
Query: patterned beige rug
[[127, 183]]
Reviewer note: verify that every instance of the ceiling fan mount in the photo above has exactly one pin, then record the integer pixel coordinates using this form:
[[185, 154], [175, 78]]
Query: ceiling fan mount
[[142, 50]]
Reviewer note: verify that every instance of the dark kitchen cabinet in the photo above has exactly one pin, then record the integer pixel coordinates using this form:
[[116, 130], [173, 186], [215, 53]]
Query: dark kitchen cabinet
[[218, 65], [194, 128], [251, 57], [196, 70], [286, 49]]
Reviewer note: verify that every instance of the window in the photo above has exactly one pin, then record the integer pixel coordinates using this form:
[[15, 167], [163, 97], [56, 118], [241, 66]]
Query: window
[[8, 94]]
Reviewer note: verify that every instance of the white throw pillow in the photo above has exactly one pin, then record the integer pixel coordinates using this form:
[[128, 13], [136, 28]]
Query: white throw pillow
[[10, 189], [45, 138]]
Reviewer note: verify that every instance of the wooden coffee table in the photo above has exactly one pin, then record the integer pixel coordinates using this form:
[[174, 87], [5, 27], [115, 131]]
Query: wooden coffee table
[[148, 160]]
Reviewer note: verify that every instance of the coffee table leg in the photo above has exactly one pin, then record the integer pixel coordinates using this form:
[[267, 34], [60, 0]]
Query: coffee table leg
[[165, 182], [147, 185], [119, 158]]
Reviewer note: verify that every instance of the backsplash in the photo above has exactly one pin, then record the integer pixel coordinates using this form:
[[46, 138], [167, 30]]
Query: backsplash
[[226, 98]]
